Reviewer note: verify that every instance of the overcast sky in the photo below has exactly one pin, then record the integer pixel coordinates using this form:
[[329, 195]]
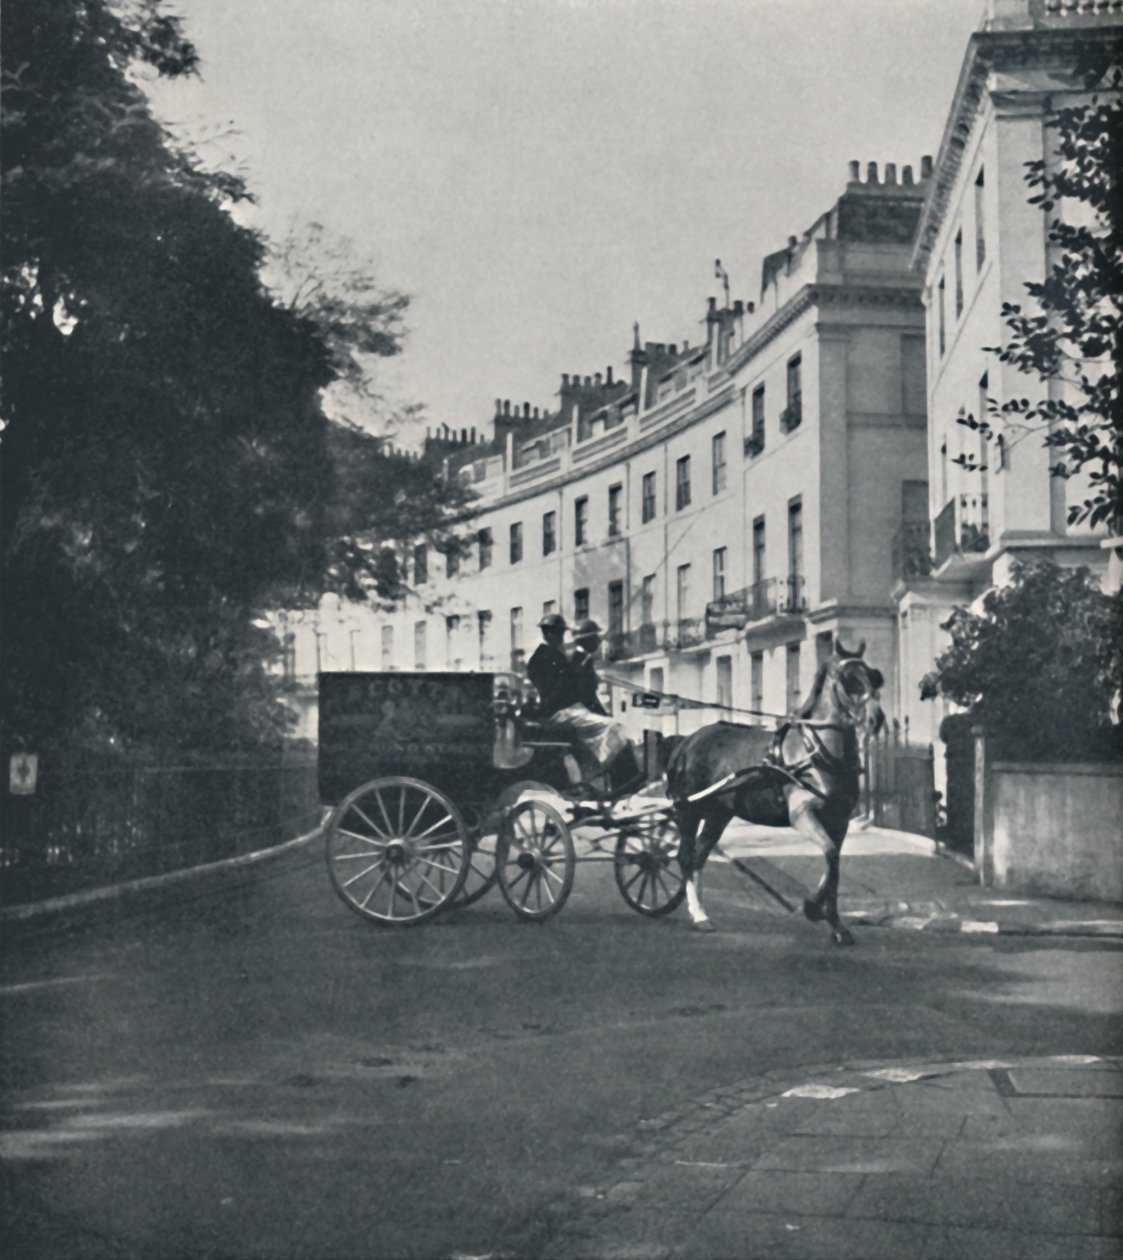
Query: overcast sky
[[540, 174]]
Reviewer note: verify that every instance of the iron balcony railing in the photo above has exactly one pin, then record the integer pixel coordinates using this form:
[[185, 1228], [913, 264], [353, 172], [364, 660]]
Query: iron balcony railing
[[961, 528], [791, 416], [654, 636], [773, 597], [912, 557]]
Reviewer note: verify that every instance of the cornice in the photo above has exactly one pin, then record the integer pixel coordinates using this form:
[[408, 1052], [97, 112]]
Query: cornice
[[1051, 46]]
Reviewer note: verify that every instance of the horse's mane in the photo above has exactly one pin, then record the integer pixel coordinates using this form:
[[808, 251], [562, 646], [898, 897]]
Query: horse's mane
[[807, 708]]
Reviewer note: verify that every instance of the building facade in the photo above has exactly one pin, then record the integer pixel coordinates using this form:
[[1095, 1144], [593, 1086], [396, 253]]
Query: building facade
[[725, 510], [979, 241]]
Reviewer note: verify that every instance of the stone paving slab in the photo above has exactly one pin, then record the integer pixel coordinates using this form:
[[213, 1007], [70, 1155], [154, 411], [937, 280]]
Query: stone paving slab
[[917, 1159]]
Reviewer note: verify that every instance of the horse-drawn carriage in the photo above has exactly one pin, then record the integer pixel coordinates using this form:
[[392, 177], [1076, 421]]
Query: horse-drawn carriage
[[443, 787], [458, 790]]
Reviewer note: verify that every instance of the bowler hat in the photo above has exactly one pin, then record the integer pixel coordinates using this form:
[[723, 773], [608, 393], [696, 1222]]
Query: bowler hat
[[586, 630], [552, 621]]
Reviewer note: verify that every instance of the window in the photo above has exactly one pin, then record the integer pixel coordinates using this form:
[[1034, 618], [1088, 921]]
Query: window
[[387, 647], [755, 443], [795, 554], [794, 696], [980, 220], [647, 600], [758, 550], [719, 572], [420, 565], [793, 414], [288, 657], [655, 680], [756, 681], [718, 446], [452, 560], [683, 590], [615, 508], [516, 542], [419, 630], [824, 645], [581, 521], [483, 620], [581, 604], [648, 497], [485, 548], [452, 642], [959, 273], [941, 334], [616, 608], [516, 638], [549, 533], [682, 483], [724, 672]]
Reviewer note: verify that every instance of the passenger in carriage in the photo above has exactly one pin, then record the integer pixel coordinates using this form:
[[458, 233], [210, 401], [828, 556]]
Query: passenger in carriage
[[549, 668]]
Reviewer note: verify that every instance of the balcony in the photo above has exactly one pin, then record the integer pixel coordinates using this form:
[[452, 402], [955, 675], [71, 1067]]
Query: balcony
[[961, 529], [623, 645], [792, 415], [911, 556], [754, 444], [774, 597]]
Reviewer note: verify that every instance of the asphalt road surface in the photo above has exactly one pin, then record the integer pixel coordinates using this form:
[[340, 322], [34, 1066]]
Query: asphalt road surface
[[251, 1070]]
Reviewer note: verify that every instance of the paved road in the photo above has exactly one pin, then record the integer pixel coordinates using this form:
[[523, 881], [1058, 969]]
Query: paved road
[[255, 1071]]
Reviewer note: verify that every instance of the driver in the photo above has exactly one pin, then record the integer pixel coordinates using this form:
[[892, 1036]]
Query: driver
[[587, 718]]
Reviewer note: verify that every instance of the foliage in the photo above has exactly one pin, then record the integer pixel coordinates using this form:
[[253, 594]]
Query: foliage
[[1074, 333], [168, 470], [1039, 666]]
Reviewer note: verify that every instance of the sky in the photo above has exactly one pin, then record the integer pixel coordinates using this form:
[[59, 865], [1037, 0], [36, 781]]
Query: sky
[[540, 175]]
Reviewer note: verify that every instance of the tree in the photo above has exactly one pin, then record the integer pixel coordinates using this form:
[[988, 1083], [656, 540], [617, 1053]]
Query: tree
[[1074, 333], [1039, 666], [167, 470]]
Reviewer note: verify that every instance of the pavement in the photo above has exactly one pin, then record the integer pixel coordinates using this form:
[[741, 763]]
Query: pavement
[[1007, 1159], [895, 879]]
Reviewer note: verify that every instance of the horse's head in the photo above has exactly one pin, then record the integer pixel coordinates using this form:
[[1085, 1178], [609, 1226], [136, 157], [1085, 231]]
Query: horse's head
[[856, 687]]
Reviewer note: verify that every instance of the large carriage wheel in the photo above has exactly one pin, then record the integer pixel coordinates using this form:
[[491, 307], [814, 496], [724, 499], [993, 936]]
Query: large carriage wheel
[[535, 860], [397, 851], [482, 872], [647, 873]]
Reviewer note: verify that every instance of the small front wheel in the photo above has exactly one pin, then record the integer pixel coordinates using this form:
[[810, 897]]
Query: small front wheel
[[535, 860], [647, 873]]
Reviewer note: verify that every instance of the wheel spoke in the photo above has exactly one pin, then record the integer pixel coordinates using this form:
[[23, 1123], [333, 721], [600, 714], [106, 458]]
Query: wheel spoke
[[514, 883], [365, 871], [449, 870], [408, 833], [385, 812], [354, 835], [377, 885], [549, 870], [530, 883], [440, 843], [423, 834], [372, 825]]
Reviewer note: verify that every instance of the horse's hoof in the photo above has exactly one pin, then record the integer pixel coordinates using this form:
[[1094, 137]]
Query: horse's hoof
[[813, 910], [703, 925], [842, 936]]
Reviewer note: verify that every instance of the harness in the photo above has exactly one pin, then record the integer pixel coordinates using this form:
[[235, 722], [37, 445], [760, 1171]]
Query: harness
[[817, 757]]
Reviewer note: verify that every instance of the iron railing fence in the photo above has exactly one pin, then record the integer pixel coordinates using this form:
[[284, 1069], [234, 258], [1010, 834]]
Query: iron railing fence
[[912, 557], [96, 825], [771, 597], [961, 527]]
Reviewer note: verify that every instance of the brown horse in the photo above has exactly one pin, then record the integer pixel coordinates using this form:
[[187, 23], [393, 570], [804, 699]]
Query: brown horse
[[805, 775]]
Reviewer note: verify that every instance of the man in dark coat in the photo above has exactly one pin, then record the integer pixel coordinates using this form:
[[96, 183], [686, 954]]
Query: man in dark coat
[[550, 670]]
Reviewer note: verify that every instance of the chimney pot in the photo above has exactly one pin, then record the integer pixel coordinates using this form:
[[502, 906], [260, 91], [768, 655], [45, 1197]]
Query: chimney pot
[[526, 411], [890, 172], [685, 345], [463, 437], [672, 348], [565, 380], [498, 406], [871, 172], [473, 435], [507, 407], [711, 305], [906, 174], [588, 382], [597, 379], [792, 242], [855, 173], [608, 375], [926, 166], [738, 308]]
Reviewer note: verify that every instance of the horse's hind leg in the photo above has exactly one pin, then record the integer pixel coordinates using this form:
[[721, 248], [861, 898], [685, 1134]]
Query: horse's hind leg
[[700, 849], [823, 904]]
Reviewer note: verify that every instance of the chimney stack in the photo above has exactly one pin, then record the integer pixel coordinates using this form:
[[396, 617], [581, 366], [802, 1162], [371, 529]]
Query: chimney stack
[[855, 173], [608, 375]]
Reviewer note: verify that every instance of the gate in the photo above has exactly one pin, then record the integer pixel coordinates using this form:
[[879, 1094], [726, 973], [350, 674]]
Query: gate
[[900, 782]]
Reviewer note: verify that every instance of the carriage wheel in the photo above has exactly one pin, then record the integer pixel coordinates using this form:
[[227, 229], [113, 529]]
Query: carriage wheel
[[535, 860], [397, 851], [482, 871], [646, 872]]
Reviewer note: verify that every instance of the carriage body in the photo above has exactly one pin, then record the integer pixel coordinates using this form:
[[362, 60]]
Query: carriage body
[[441, 786]]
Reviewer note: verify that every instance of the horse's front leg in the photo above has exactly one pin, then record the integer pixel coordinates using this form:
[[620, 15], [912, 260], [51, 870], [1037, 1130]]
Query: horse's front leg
[[701, 848], [824, 903]]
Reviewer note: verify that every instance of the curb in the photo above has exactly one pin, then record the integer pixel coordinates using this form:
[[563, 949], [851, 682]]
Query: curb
[[136, 887]]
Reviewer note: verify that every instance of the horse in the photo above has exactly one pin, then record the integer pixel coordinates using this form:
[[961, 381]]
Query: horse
[[805, 775]]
